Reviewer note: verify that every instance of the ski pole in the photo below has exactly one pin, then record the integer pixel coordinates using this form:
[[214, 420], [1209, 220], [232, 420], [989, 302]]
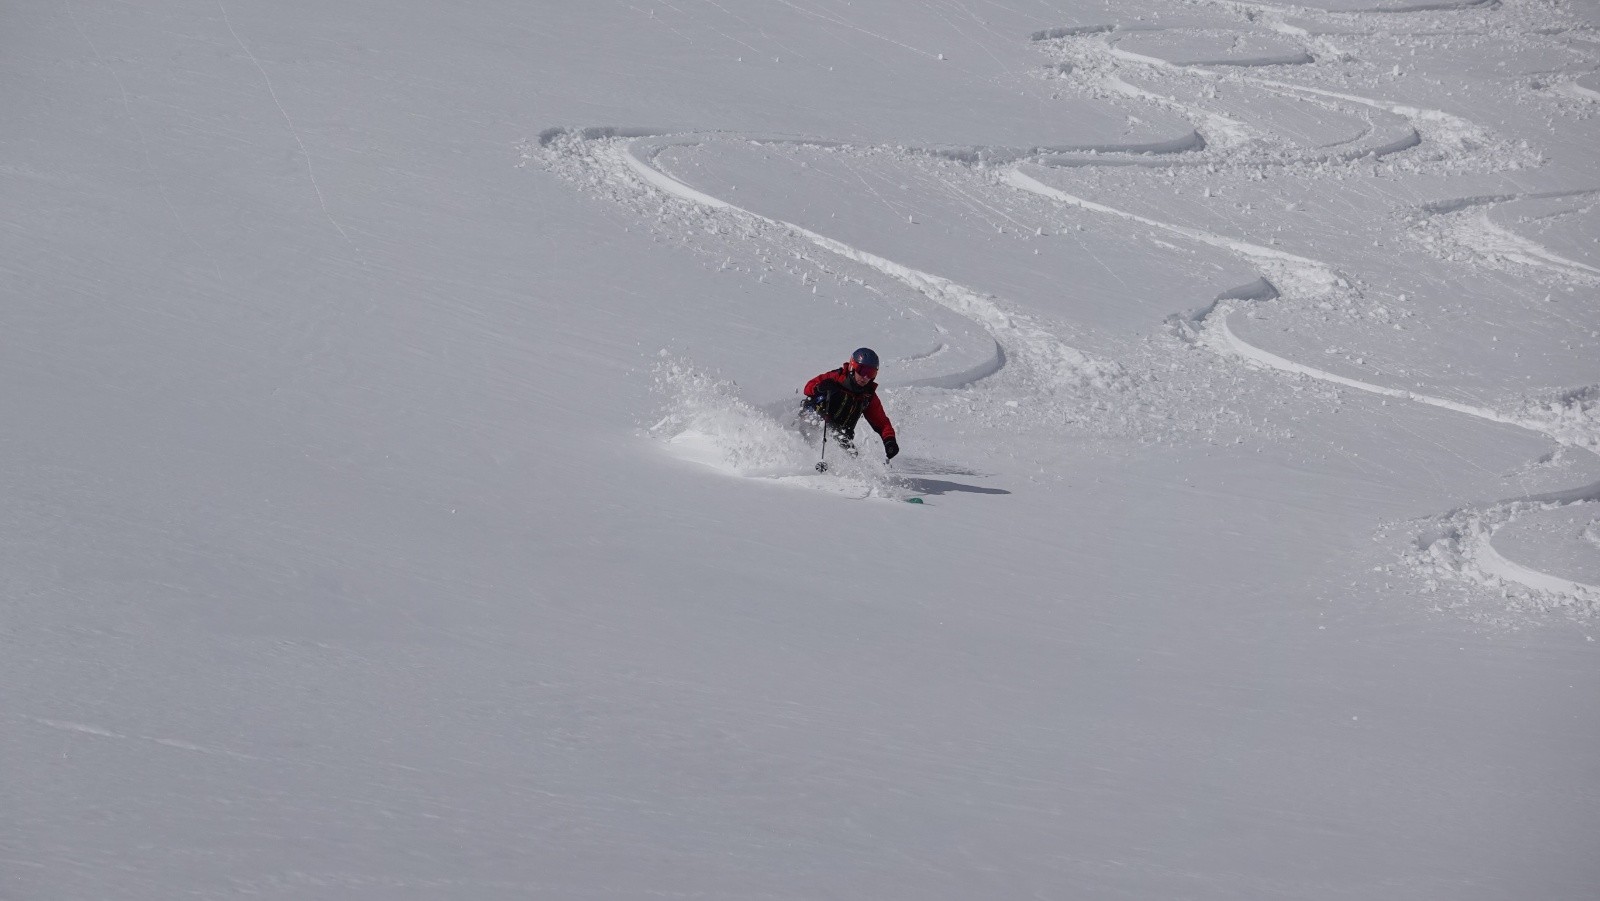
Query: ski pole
[[822, 464]]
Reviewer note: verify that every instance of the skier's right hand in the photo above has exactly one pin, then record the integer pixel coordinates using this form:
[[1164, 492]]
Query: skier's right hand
[[823, 399], [891, 447]]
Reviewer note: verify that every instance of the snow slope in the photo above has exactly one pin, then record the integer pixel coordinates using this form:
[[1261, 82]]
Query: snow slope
[[405, 496]]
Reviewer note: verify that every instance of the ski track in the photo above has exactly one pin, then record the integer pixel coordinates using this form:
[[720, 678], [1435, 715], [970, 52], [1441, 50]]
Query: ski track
[[1463, 548], [1458, 545], [1465, 222]]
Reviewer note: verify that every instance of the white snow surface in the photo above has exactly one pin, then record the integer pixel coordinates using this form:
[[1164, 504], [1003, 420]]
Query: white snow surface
[[406, 498]]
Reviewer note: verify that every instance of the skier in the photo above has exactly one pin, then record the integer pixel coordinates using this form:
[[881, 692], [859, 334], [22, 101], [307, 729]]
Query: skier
[[840, 397]]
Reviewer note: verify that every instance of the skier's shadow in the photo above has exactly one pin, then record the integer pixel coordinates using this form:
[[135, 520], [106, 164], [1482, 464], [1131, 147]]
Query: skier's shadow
[[940, 486], [922, 465]]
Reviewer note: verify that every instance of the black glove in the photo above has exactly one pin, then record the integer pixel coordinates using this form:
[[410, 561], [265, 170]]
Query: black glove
[[891, 447], [823, 400]]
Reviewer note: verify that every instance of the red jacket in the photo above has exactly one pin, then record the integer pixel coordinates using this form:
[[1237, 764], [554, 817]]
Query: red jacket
[[843, 405]]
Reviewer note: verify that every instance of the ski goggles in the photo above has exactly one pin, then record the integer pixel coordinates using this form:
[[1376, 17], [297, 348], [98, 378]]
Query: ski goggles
[[865, 374]]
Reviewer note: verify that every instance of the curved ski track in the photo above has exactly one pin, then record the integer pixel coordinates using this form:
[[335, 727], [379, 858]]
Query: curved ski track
[[1458, 543]]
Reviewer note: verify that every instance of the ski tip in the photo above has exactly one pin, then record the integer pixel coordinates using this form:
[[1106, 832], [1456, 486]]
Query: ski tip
[[913, 500]]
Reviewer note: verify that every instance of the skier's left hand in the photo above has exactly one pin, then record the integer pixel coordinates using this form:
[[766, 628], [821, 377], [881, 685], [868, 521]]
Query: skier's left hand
[[890, 448]]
